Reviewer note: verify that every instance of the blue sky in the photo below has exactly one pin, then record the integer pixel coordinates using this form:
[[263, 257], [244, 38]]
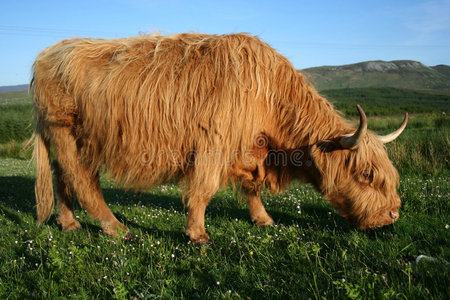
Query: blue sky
[[310, 33]]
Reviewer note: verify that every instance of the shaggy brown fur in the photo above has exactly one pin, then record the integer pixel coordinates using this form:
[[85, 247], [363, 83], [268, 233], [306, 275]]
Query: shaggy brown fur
[[190, 107]]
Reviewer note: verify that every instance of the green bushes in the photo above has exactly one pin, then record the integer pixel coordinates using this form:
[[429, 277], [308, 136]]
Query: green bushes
[[387, 101], [423, 152], [15, 122], [422, 149]]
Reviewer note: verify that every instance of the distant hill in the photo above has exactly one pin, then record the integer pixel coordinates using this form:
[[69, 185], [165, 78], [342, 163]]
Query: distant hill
[[406, 74], [444, 69], [13, 88]]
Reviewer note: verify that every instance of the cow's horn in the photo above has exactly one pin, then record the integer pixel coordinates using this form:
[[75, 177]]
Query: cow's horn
[[393, 135], [352, 141]]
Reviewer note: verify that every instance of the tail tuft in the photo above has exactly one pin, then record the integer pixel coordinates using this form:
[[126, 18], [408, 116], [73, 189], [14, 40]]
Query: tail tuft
[[43, 188]]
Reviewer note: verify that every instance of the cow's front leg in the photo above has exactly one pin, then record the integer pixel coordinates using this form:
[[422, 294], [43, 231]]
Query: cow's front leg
[[195, 227], [258, 213]]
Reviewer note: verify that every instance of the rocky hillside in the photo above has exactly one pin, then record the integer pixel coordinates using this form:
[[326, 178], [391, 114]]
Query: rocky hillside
[[400, 74]]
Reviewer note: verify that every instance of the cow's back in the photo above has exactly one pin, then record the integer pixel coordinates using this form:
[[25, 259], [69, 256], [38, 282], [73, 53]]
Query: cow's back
[[147, 106]]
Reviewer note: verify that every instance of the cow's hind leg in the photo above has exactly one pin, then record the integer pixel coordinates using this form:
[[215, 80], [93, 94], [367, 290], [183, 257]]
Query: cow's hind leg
[[65, 198], [82, 181]]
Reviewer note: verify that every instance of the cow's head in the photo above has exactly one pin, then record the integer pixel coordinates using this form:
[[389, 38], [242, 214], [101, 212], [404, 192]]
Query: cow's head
[[355, 174]]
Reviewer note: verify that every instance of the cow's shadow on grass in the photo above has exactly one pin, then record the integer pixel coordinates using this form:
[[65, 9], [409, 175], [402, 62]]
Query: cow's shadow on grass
[[17, 197]]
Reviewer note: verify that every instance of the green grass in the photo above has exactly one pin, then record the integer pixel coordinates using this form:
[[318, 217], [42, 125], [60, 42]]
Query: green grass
[[387, 101], [15, 97], [15, 122], [423, 149], [312, 253]]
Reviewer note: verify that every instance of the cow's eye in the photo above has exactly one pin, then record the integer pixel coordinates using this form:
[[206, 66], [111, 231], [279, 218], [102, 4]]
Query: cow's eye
[[368, 176]]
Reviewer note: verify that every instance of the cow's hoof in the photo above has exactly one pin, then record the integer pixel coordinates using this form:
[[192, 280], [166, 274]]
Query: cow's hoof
[[202, 241], [199, 239], [115, 229], [264, 221], [74, 225], [129, 236]]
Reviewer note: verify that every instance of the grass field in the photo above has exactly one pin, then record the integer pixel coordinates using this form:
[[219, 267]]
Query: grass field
[[311, 253], [387, 101]]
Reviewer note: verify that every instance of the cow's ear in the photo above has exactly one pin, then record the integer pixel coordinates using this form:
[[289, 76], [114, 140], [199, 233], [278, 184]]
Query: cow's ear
[[329, 145], [321, 151]]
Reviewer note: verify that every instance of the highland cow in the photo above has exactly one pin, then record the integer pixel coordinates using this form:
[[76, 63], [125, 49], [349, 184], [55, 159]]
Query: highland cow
[[203, 110]]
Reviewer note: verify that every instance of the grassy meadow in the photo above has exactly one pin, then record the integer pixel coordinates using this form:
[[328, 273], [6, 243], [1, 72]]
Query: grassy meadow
[[311, 253]]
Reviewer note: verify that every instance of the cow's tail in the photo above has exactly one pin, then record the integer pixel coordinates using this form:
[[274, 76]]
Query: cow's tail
[[43, 188]]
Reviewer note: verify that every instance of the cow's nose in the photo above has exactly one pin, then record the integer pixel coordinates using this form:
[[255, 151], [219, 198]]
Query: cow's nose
[[394, 215]]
